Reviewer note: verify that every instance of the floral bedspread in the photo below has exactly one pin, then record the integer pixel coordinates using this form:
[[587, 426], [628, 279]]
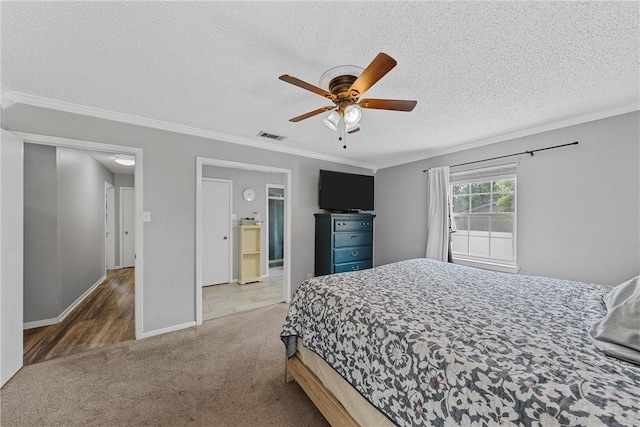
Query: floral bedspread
[[431, 343]]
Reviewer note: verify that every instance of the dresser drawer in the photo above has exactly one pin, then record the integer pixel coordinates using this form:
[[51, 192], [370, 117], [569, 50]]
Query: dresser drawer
[[354, 253], [352, 266], [355, 238], [352, 224], [344, 242]]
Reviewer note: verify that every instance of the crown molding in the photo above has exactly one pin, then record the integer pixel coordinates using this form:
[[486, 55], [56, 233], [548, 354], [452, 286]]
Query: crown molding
[[54, 104], [427, 154]]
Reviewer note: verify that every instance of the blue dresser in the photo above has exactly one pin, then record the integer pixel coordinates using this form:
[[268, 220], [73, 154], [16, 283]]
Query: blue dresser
[[344, 242]]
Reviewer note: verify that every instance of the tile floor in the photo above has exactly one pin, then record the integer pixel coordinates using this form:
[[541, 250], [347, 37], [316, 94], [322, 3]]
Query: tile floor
[[230, 298]]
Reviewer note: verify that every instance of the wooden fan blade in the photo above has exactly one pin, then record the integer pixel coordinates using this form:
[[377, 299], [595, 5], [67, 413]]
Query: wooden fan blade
[[387, 104], [380, 66], [304, 85], [312, 113]]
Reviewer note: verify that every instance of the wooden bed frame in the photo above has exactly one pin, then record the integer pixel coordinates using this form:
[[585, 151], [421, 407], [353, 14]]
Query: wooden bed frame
[[325, 401]]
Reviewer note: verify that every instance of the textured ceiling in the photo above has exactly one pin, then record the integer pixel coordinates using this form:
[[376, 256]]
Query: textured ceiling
[[477, 69]]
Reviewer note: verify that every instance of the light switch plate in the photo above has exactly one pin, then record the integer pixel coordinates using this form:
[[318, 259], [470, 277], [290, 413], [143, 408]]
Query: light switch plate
[[146, 216]]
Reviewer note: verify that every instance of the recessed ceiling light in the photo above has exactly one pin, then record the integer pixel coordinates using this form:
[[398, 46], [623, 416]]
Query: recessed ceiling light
[[125, 159]]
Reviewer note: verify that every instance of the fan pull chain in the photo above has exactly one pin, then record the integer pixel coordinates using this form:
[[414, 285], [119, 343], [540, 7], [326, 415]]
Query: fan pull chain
[[343, 138]]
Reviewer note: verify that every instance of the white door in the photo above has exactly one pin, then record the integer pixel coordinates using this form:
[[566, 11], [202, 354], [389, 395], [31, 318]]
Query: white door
[[216, 231], [11, 254], [127, 227], [109, 226]]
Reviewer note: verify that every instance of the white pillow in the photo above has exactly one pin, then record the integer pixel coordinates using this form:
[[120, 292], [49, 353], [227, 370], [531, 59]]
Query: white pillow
[[618, 332]]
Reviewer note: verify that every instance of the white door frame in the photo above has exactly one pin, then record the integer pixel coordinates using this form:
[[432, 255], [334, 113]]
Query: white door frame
[[11, 254], [266, 219], [200, 162], [230, 225], [121, 231], [110, 148], [110, 227]]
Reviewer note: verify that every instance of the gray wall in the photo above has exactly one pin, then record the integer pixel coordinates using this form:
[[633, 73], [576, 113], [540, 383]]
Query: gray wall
[[169, 194], [80, 222], [120, 181], [578, 207], [243, 209], [64, 228], [42, 295]]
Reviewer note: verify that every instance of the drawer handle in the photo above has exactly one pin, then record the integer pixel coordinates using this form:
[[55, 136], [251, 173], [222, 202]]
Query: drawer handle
[[354, 253], [355, 236], [355, 268]]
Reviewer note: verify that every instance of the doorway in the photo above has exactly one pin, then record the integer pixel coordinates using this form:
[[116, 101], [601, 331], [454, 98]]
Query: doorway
[[127, 227], [109, 226], [285, 289], [75, 298], [137, 181], [275, 228]]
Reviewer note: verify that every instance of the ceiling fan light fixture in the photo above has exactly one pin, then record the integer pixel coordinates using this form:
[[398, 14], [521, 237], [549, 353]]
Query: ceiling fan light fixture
[[344, 86], [125, 159], [351, 128], [332, 120], [352, 115]]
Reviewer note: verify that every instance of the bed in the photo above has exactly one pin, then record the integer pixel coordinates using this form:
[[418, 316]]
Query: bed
[[422, 342]]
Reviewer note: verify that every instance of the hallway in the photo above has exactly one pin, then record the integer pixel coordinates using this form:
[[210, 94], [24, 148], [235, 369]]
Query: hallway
[[105, 317]]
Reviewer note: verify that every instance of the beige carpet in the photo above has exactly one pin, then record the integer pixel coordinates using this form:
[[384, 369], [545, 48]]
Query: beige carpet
[[227, 372]]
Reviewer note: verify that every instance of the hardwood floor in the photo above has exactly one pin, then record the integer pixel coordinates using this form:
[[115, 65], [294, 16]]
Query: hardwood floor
[[105, 317]]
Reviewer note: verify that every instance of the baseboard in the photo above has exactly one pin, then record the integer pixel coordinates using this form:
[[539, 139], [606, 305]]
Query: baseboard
[[167, 330], [69, 309], [65, 313], [40, 323]]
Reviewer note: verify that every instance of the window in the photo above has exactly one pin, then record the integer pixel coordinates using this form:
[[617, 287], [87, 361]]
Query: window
[[483, 205]]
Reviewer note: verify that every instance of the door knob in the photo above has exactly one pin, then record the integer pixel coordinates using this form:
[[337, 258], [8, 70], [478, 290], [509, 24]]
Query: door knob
[[224, 238], [126, 232]]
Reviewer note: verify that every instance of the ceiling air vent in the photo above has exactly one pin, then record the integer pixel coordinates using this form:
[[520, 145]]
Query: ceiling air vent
[[271, 136]]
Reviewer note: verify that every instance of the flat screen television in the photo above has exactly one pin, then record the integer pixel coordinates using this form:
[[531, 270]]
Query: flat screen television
[[345, 192]]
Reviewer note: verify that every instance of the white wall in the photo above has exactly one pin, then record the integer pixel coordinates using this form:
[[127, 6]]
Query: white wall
[[578, 207], [11, 256], [243, 209], [169, 194]]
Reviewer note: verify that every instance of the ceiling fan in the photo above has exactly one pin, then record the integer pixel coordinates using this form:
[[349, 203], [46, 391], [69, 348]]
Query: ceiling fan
[[344, 85]]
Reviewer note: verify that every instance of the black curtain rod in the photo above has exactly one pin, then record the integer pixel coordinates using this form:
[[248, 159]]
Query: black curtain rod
[[511, 155]]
